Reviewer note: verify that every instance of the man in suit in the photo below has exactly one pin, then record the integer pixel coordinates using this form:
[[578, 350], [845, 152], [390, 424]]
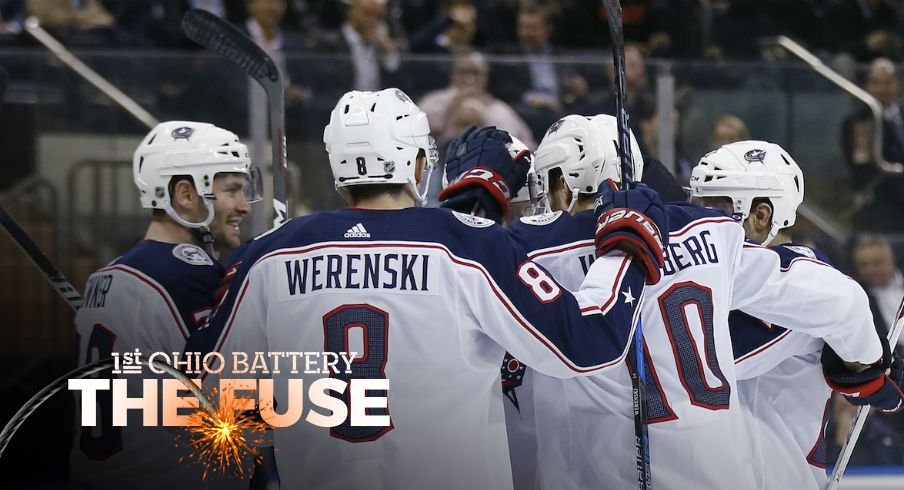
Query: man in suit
[[886, 212]]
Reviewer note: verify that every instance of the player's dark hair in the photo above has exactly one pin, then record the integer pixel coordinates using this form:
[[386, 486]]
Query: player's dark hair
[[555, 183], [175, 179]]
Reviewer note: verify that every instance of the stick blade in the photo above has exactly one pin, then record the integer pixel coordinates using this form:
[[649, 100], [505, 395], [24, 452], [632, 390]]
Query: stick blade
[[221, 37]]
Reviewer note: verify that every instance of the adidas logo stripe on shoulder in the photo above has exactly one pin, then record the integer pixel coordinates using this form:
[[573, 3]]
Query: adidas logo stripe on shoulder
[[357, 231]]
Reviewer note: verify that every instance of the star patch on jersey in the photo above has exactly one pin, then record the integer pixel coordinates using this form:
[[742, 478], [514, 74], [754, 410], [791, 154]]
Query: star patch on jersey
[[191, 254], [473, 221], [541, 219], [629, 298]]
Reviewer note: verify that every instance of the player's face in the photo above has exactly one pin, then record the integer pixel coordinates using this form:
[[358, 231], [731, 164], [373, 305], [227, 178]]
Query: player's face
[[230, 206]]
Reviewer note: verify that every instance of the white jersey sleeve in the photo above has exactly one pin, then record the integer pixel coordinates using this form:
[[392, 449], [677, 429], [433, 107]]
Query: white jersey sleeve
[[809, 296]]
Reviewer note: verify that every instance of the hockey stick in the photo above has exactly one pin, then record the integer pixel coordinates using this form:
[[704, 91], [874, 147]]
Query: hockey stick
[[221, 37], [59, 384], [638, 376], [847, 450], [31, 249], [33, 27]]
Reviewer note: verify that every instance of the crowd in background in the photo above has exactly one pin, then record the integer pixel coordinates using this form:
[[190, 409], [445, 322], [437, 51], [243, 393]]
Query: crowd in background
[[526, 94], [714, 29]]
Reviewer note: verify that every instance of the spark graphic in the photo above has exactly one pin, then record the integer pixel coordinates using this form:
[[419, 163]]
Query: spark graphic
[[222, 440]]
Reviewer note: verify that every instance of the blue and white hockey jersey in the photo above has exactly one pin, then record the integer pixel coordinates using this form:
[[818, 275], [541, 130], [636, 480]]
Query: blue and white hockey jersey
[[433, 298], [151, 299], [784, 396], [698, 438]]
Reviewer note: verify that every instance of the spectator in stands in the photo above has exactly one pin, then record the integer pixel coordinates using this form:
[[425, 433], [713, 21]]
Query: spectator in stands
[[263, 26], [737, 27], [647, 117], [84, 23], [364, 37], [886, 212], [452, 32], [581, 100], [156, 22], [866, 29], [466, 101], [532, 87], [877, 271], [728, 129]]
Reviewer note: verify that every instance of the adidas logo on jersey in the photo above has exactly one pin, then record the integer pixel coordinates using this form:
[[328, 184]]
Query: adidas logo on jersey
[[357, 231]]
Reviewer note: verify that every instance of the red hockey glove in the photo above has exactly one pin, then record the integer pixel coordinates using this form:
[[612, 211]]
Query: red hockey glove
[[631, 221]]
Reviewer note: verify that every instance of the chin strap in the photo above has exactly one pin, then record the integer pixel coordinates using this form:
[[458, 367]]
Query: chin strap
[[188, 224], [773, 232], [207, 241], [202, 228], [574, 200]]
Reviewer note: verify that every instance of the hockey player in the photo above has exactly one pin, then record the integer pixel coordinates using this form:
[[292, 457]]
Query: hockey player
[[432, 297], [697, 434], [783, 391], [198, 180]]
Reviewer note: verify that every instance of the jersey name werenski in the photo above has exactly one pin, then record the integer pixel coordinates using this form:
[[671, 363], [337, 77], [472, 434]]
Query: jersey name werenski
[[691, 251], [96, 293], [403, 272]]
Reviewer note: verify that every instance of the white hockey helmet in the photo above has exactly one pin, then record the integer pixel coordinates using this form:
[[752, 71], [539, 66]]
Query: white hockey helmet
[[375, 138], [531, 190], [195, 149], [586, 149], [746, 170]]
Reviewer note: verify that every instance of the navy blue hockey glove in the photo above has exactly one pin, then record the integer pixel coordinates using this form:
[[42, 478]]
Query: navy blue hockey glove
[[871, 386], [631, 221], [483, 175]]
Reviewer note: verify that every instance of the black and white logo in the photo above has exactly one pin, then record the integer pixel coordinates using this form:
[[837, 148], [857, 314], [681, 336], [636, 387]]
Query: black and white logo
[[555, 126], [357, 231], [182, 133], [191, 254], [755, 156]]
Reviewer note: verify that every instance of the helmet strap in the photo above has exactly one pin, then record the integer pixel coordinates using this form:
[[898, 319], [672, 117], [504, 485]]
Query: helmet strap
[[168, 207], [207, 241], [574, 199]]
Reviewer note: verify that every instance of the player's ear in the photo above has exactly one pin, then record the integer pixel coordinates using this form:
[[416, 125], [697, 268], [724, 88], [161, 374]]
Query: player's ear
[[761, 215], [420, 164], [184, 196]]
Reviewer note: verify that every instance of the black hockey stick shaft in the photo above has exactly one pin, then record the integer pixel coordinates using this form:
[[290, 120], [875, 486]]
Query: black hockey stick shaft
[[616, 31], [223, 38], [31, 249], [638, 376]]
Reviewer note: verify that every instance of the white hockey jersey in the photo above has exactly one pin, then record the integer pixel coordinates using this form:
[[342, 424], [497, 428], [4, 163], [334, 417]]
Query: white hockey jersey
[[698, 439], [433, 299], [151, 298], [784, 396]]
